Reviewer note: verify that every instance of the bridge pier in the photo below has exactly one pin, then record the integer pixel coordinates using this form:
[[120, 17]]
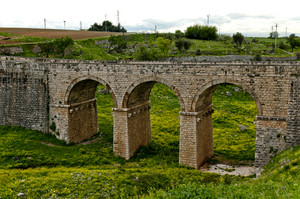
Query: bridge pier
[[132, 129], [75, 122], [196, 137], [270, 138]]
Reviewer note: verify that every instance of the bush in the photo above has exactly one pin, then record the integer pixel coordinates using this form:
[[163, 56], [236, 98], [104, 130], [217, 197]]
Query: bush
[[201, 32], [179, 34], [257, 57], [163, 45], [282, 46], [183, 44], [238, 39], [146, 54], [117, 43], [60, 44], [298, 54]]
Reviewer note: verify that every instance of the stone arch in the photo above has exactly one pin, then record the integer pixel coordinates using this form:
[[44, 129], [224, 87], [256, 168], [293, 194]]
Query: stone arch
[[147, 83], [201, 117], [133, 128], [85, 80], [81, 107], [209, 88]]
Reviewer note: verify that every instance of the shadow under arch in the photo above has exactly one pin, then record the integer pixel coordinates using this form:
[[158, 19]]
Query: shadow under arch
[[90, 82], [204, 95], [140, 90], [80, 99]]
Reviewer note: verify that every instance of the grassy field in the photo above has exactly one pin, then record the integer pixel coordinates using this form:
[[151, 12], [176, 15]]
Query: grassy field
[[85, 48], [40, 166]]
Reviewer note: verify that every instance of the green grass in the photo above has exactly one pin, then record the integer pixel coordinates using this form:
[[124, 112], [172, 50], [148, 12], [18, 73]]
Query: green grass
[[90, 51], [40, 166]]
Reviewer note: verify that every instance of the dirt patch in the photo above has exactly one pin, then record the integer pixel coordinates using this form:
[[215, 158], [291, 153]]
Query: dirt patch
[[223, 169], [53, 33], [48, 144]]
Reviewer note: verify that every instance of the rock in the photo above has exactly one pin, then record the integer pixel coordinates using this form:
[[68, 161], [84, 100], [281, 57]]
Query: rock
[[36, 49], [11, 50], [236, 89], [243, 128], [20, 194], [228, 93], [102, 42]]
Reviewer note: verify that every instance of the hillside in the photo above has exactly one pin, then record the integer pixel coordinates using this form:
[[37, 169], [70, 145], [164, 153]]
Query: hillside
[[38, 165], [100, 46]]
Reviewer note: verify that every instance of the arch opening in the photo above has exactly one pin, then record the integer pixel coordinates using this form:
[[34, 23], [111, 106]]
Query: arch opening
[[89, 110], [153, 110], [233, 132]]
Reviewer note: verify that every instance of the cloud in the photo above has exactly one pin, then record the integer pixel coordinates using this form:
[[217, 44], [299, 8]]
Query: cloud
[[233, 16]]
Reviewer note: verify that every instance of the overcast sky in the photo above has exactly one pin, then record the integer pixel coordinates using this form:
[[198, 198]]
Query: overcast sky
[[252, 17]]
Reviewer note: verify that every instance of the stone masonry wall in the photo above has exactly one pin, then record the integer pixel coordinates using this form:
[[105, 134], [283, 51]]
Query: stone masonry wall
[[293, 123], [23, 95], [83, 121], [139, 128]]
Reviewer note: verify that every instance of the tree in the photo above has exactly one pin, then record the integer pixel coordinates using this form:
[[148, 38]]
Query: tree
[[294, 42], [201, 32], [107, 26], [163, 45], [60, 44], [238, 39], [179, 34], [47, 48]]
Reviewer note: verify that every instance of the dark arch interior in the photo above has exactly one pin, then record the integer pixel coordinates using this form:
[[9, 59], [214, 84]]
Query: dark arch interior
[[83, 91]]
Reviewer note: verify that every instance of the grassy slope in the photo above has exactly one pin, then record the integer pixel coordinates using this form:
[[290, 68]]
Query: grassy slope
[[93, 52], [54, 169]]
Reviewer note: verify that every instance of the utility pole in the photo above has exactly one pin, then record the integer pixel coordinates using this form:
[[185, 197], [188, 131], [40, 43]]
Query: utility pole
[[105, 23], [64, 25], [45, 23], [276, 35], [118, 17], [208, 19], [80, 25]]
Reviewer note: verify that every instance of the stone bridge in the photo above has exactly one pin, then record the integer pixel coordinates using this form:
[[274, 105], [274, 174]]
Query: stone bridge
[[58, 96]]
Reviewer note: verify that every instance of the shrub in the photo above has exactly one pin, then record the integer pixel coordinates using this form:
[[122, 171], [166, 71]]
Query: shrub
[[179, 34], [47, 48], [298, 54], [257, 57], [238, 39], [201, 32], [163, 45], [183, 44], [117, 43], [282, 46], [147, 54], [60, 44]]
